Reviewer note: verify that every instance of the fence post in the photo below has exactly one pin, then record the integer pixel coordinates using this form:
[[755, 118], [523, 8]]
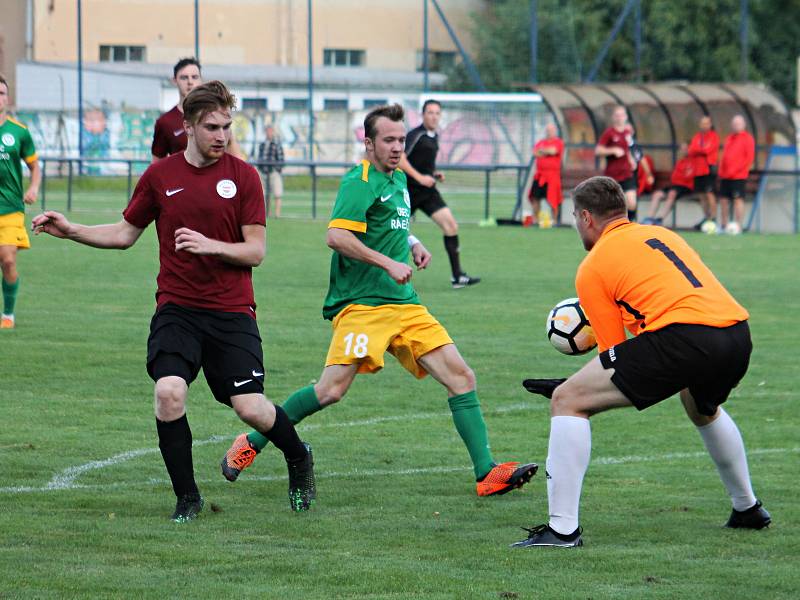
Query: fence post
[[313, 192], [486, 195], [69, 185], [130, 178], [44, 184]]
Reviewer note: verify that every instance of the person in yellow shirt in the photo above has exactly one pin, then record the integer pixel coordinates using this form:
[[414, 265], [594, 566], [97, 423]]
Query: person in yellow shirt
[[690, 337]]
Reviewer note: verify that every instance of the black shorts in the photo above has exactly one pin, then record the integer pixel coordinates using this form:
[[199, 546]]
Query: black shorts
[[629, 185], [705, 183], [538, 192], [226, 345], [732, 188], [680, 191], [709, 361], [428, 200]]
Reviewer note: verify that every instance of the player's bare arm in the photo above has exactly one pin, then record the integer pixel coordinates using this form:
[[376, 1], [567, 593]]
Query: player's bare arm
[[345, 243], [36, 179], [609, 151], [116, 236], [426, 180], [419, 253], [248, 253]]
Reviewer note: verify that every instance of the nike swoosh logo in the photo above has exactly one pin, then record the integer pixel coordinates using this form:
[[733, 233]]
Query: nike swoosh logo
[[257, 374], [173, 192], [385, 198], [241, 383], [177, 132]]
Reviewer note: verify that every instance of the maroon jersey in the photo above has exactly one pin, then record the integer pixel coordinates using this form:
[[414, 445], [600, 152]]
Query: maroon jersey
[[169, 136], [618, 168], [216, 201]]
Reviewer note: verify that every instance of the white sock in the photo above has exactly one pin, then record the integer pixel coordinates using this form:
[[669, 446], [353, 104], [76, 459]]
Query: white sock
[[724, 443], [568, 456]]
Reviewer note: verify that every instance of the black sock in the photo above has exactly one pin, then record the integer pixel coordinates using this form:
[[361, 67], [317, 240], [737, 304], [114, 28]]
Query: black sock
[[284, 436], [451, 245], [175, 443], [632, 215]]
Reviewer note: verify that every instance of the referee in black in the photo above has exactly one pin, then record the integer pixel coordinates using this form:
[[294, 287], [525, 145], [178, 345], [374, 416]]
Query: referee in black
[[419, 163]]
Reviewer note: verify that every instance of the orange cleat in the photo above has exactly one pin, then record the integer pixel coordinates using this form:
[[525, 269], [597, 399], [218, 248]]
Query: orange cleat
[[238, 457], [505, 477], [7, 322]]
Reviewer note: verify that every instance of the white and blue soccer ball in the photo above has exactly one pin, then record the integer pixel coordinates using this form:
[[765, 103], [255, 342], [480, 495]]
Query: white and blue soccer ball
[[568, 329], [733, 228]]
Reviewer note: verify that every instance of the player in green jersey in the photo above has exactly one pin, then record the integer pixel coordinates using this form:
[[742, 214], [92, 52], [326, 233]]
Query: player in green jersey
[[374, 308], [16, 145]]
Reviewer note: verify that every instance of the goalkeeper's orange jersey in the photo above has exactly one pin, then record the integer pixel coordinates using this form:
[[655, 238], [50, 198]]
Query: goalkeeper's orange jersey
[[642, 278]]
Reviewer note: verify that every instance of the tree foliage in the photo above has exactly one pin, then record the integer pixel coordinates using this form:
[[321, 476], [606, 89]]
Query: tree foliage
[[695, 41]]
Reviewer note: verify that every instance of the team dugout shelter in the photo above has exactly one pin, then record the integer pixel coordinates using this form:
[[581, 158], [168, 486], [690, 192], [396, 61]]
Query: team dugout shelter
[[665, 115]]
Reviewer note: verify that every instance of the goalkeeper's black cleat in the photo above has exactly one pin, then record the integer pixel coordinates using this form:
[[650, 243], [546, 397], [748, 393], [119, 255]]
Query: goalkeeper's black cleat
[[543, 535], [302, 488], [545, 387], [755, 517], [187, 508]]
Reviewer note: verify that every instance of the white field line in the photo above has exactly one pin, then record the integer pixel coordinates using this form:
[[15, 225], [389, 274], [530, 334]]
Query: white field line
[[65, 480]]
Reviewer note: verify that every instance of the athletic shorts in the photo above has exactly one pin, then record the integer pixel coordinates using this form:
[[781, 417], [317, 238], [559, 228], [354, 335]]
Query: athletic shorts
[[709, 361], [705, 183], [629, 185], [538, 192], [362, 334], [226, 345], [428, 200], [680, 191], [12, 230], [732, 188]]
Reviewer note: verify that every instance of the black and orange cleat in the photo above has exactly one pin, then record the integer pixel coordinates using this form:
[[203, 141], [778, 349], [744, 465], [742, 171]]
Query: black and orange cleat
[[238, 457], [505, 477]]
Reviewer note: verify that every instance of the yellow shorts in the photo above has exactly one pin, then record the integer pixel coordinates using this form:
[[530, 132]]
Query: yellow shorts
[[362, 334], [13, 232]]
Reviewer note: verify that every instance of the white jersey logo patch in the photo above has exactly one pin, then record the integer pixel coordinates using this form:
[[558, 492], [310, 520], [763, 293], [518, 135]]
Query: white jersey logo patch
[[8, 139], [226, 188], [406, 198]]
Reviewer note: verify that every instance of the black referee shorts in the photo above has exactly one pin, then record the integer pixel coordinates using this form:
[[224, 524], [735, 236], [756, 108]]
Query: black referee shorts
[[226, 345], [426, 199], [709, 361]]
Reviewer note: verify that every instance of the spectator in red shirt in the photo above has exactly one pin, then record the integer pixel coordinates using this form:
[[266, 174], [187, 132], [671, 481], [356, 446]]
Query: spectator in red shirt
[[704, 152], [738, 155], [645, 176], [208, 209], [614, 146], [681, 184], [547, 178]]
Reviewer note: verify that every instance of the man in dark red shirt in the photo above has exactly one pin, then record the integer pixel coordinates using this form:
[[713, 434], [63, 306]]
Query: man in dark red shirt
[[704, 152], [169, 136], [681, 184], [209, 212], [614, 146], [738, 155]]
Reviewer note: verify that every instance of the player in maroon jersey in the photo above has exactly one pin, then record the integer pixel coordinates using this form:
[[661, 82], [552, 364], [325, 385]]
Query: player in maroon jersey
[[169, 136], [209, 212]]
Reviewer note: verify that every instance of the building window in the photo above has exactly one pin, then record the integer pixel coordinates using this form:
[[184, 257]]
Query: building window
[[335, 104], [373, 102], [438, 61], [254, 104], [295, 103], [344, 58], [122, 53]]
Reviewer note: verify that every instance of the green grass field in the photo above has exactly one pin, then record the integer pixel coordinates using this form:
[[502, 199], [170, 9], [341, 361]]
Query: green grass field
[[85, 499]]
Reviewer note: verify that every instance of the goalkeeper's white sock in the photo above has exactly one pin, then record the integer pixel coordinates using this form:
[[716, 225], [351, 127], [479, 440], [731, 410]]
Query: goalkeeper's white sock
[[724, 443], [568, 455]]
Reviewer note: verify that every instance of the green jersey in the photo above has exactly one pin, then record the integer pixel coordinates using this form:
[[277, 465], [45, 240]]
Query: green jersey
[[15, 144], [376, 207]]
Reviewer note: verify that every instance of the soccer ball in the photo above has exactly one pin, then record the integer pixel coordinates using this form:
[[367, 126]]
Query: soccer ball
[[733, 228], [568, 328], [709, 226]]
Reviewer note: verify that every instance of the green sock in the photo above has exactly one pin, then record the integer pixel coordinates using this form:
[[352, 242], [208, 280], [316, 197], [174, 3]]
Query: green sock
[[9, 296], [298, 406], [466, 409]]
